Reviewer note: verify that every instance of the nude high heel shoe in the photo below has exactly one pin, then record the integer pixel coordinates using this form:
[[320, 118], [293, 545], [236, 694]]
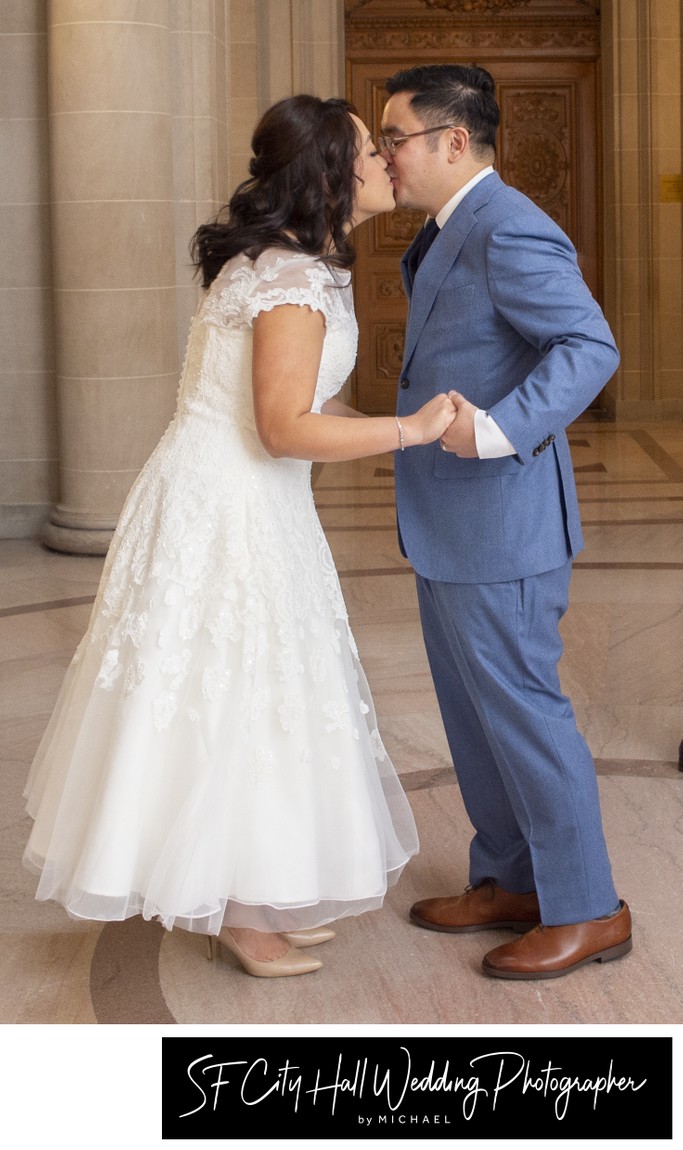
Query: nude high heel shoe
[[311, 936], [289, 964]]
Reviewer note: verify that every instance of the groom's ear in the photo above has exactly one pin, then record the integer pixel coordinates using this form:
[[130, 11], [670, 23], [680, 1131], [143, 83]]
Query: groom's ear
[[458, 143]]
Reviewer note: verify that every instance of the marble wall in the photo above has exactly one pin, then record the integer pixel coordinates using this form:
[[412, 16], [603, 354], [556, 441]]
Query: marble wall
[[127, 122]]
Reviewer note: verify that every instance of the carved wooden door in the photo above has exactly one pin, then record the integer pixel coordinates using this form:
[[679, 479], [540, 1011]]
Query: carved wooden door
[[546, 73]]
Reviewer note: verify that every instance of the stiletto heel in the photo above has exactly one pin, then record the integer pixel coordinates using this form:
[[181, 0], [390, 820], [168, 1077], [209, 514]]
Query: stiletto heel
[[210, 947], [288, 964], [312, 936]]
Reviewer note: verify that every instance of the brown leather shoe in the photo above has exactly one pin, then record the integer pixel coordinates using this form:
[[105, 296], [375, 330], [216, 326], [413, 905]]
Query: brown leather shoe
[[551, 951], [483, 907]]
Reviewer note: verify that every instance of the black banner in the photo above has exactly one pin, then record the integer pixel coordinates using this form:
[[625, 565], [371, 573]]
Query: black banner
[[415, 1088]]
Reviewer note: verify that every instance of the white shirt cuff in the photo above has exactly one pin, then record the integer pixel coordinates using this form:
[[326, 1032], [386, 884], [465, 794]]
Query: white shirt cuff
[[492, 443]]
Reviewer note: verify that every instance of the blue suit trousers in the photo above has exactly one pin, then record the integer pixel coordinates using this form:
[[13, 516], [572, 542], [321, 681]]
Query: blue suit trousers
[[525, 773]]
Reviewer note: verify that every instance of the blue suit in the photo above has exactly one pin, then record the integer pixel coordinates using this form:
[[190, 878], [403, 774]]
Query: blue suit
[[499, 312]]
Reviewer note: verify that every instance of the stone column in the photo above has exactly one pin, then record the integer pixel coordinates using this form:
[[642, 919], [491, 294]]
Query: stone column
[[643, 165], [28, 439], [113, 229]]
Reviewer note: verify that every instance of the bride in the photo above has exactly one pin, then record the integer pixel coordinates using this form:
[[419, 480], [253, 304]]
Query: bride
[[213, 759]]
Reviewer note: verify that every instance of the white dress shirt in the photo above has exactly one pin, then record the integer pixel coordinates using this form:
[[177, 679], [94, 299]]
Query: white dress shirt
[[491, 442]]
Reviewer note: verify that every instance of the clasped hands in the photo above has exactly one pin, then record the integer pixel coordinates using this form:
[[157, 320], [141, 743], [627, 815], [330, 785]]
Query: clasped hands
[[459, 438]]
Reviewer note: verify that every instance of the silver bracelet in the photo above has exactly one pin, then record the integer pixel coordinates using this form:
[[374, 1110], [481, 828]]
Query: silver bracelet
[[401, 441]]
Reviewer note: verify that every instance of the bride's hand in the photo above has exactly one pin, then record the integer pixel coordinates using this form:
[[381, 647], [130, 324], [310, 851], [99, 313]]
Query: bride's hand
[[430, 422]]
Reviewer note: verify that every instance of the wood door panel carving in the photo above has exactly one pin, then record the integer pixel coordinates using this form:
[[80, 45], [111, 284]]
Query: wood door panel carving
[[544, 56], [394, 232], [387, 343], [536, 148], [385, 286]]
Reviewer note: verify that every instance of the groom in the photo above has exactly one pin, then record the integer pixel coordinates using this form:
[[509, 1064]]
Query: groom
[[500, 315]]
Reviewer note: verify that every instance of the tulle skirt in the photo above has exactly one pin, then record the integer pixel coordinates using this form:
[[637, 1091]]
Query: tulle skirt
[[213, 758]]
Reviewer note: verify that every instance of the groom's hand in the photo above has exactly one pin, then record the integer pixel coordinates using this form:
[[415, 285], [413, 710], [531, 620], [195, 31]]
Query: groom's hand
[[459, 437]]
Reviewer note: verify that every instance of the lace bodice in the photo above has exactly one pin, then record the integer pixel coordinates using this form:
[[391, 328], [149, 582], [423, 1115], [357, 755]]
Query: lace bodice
[[215, 528], [218, 358]]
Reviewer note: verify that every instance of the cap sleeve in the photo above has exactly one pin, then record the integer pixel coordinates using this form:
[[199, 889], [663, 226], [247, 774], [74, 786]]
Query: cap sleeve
[[284, 278], [243, 288]]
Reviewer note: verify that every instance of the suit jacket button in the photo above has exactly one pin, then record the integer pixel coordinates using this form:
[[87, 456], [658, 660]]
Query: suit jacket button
[[405, 383]]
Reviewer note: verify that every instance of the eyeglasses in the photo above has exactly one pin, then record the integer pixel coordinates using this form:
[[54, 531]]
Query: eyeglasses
[[391, 143]]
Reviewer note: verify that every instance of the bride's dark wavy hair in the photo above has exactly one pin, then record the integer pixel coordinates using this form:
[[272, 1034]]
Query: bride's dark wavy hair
[[301, 191]]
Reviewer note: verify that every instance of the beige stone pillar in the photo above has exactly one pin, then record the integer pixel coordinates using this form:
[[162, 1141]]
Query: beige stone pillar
[[28, 439], [113, 229], [643, 247]]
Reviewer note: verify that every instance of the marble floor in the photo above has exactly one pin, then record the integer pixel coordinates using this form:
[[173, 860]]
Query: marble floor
[[623, 666]]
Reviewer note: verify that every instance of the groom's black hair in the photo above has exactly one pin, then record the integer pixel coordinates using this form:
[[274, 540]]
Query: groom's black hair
[[452, 93]]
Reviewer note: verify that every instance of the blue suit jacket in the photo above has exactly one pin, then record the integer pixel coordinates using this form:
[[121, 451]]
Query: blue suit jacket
[[499, 311]]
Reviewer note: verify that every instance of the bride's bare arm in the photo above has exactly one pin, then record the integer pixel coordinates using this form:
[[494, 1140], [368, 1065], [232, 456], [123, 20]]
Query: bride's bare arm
[[288, 344]]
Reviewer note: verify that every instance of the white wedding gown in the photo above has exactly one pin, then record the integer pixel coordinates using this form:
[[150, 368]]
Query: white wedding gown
[[214, 757]]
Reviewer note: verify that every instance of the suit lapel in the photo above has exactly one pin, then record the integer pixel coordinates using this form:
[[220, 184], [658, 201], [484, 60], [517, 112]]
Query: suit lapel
[[440, 259]]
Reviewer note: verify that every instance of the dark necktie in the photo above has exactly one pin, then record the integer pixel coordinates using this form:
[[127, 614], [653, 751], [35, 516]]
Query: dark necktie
[[429, 233]]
